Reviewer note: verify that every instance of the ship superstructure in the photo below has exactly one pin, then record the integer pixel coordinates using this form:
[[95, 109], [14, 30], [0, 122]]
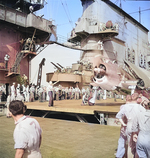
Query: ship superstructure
[[107, 33], [105, 30], [21, 33]]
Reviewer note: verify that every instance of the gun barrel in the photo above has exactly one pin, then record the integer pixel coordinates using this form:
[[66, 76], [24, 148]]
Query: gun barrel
[[56, 66], [60, 65]]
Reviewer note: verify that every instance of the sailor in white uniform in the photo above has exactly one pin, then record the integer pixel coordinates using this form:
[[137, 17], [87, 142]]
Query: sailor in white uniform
[[13, 92], [27, 133], [142, 124]]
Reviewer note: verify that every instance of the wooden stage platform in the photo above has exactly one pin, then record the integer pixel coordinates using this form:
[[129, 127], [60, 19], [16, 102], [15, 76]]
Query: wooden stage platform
[[74, 106]]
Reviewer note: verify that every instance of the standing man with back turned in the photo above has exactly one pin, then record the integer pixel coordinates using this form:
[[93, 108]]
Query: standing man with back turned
[[27, 133]]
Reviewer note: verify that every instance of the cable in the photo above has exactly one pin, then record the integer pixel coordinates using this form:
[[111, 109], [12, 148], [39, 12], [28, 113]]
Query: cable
[[140, 11], [62, 24], [67, 14]]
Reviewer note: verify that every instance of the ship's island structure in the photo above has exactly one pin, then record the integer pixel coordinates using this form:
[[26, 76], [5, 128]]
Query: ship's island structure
[[21, 33], [106, 31]]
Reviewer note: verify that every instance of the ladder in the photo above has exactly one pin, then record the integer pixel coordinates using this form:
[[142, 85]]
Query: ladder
[[17, 62], [20, 56]]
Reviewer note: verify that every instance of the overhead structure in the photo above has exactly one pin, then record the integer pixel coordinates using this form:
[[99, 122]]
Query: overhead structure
[[26, 6], [21, 35]]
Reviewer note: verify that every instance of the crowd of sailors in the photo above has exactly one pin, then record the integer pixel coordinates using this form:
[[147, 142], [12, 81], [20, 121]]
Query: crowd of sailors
[[134, 115], [32, 93], [134, 140]]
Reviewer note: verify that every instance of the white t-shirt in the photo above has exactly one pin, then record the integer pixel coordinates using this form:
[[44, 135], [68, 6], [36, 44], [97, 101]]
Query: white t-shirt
[[130, 111], [50, 88], [27, 135]]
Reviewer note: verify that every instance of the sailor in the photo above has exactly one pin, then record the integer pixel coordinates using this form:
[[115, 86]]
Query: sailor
[[129, 110], [116, 27], [1, 93], [31, 9], [44, 93], [18, 89], [27, 44], [100, 45], [7, 106], [73, 32], [36, 92], [6, 58], [27, 133], [70, 92], [98, 94], [57, 92], [63, 93], [87, 91], [123, 137], [66, 93], [82, 91], [142, 127], [105, 95], [13, 92], [18, 92], [50, 93], [24, 91], [47, 96], [32, 90], [60, 92], [28, 94], [84, 99], [73, 93], [93, 97], [77, 92], [41, 94]]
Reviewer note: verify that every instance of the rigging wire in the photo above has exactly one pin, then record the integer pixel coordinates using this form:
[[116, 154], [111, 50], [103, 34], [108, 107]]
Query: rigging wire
[[140, 11], [55, 7], [116, 2], [67, 14], [62, 24]]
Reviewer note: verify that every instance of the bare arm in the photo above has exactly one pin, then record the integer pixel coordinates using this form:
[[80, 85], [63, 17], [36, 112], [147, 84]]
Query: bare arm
[[135, 137], [122, 122], [19, 153], [116, 121], [55, 82]]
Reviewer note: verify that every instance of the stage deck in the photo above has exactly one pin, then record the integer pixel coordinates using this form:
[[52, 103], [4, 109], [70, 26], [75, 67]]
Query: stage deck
[[74, 106]]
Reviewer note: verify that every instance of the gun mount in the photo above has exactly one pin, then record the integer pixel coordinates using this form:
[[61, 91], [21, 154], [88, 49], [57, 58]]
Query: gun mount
[[58, 68], [60, 65]]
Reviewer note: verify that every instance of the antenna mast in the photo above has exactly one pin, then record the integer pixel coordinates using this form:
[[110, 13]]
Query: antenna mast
[[139, 15]]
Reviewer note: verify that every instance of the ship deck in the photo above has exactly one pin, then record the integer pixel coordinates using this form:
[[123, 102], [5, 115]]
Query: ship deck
[[74, 106]]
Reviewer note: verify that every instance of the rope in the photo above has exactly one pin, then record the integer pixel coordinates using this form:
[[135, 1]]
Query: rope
[[140, 11], [67, 14]]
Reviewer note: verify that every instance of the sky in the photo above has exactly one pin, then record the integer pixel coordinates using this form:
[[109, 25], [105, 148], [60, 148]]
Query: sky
[[65, 13]]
